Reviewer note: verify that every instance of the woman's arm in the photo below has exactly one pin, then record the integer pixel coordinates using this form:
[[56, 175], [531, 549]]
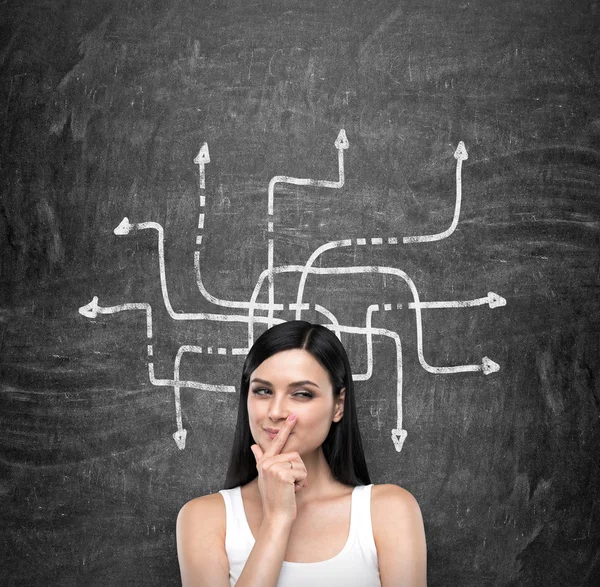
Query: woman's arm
[[264, 563], [201, 543], [201, 547], [399, 536]]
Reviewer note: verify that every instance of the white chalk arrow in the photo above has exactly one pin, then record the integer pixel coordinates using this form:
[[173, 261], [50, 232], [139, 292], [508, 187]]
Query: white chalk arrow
[[92, 310], [492, 299], [461, 152], [124, 227], [342, 140], [341, 144], [460, 155], [180, 437], [201, 159], [398, 438], [399, 433], [489, 366], [181, 433]]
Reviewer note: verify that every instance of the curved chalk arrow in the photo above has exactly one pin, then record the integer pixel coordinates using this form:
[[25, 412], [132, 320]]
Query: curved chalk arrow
[[226, 303], [398, 434], [487, 366], [181, 433], [341, 144], [125, 227], [92, 310], [460, 155]]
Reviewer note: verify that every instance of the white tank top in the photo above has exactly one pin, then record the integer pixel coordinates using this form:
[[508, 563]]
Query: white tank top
[[355, 566]]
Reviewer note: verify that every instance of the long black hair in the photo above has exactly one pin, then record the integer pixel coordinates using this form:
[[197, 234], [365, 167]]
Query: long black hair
[[342, 448]]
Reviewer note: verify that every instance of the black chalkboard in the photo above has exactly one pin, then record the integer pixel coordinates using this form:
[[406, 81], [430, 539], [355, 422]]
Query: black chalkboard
[[141, 144]]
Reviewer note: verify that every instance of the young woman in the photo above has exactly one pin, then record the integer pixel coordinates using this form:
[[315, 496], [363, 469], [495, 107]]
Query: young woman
[[299, 508]]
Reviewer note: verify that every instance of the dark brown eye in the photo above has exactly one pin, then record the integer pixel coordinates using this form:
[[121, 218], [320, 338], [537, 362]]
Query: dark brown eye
[[305, 394], [258, 391]]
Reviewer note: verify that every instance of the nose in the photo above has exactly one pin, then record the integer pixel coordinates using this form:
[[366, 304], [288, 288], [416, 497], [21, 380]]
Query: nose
[[278, 409]]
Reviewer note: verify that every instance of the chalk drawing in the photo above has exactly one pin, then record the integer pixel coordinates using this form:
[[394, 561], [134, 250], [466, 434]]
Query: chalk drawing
[[201, 159], [226, 309]]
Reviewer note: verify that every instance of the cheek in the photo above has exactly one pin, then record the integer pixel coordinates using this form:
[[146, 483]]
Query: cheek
[[313, 421]]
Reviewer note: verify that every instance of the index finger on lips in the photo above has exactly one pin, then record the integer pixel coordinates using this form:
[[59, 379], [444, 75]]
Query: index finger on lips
[[281, 438]]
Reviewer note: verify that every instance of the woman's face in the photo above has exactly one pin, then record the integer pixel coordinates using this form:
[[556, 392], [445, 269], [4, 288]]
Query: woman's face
[[292, 381]]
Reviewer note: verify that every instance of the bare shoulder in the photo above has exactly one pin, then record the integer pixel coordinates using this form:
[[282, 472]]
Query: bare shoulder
[[392, 499], [203, 515], [200, 533], [399, 536]]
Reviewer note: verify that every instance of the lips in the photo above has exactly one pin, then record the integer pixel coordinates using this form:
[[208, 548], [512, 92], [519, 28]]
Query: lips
[[273, 431]]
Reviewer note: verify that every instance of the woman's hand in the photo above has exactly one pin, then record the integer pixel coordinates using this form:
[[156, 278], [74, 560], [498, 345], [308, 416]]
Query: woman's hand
[[277, 481]]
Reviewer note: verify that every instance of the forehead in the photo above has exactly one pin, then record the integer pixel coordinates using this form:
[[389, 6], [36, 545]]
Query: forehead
[[292, 365]]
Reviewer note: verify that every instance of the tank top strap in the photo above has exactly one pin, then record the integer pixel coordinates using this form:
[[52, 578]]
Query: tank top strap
[[236, 526], [361, 519]]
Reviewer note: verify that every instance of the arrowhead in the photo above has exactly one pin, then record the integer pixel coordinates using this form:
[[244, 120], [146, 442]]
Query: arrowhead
[[123, 228], [489, 366], [398, 438], [495, 300], [179, 437], [90, 310], [461, 152], [203, 155], [342, 141]]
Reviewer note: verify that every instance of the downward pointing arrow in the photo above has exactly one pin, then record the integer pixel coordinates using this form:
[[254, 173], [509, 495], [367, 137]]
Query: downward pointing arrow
[[179, 437], [398, 438]]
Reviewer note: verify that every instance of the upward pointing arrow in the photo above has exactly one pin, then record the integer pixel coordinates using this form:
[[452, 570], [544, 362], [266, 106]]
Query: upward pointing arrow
[[201, 159], [342, 140], [461, 152]]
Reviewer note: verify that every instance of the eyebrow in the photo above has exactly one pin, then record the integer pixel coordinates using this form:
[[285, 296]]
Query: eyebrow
[[293, 384]]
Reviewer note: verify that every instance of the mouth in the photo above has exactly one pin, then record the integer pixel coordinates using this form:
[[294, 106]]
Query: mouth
[[272, 432]]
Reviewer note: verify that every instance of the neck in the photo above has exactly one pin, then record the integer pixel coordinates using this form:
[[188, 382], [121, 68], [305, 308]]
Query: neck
[[320, 479]]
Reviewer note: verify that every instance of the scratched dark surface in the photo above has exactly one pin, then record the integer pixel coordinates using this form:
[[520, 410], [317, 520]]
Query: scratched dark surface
[[104, 105]]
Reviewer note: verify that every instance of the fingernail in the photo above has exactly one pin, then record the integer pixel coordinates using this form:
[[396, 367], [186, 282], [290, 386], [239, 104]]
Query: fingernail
[[291, 417]]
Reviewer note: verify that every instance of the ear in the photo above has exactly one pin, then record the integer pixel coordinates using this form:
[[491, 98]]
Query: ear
[[339, 409]]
